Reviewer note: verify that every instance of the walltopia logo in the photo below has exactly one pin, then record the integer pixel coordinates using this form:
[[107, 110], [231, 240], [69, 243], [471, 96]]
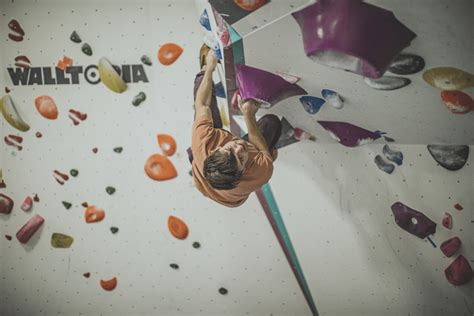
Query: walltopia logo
[[72, 75]]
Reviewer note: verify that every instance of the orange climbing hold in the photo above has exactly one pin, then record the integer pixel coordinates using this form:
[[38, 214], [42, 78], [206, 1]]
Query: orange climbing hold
[[109, 285], [457, 101], [64, 63], [250, 5], [169, 53], [46, 107], [177, 227], [167, 144], [93, 214], [160, 168]]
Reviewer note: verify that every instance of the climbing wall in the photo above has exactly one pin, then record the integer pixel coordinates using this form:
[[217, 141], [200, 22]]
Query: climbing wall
[[106, 149]]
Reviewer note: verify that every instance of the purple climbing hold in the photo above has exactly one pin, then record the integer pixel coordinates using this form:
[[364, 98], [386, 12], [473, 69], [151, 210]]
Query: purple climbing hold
[[204, 20], [312, 105], [219, 90], [264, 86], [384, 166], [342, 33], [348, 134], [407, 64], [412, 221], [387, 83], [393, 155], [6, 204], [450, 246], [333, 98]]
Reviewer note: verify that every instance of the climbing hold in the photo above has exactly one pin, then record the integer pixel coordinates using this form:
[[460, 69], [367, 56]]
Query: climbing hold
[[110, 77], [38, 135], [110, 190], [11, 114], [64, 63], [167, 144], [333, 98], [384, 166], [387, 83], [451, 157], [114, 229], [118, 150], [74, 172], [448, 78], [95, 150], [93, 214], [312, 105], [412, 221], [223, 291], [450, 246], [67, 205], [18, 33], [36, 198], [301, 134], [204, 20], [447, 220], [46, 107], [457, 101], [348, 134], [212, 42], [177, 228], [393, 155], [76, 116], [389, 139], [287, 136], [219, 90], [6, 204], [174, 266], [169, 53], [85, 204], [75, 37], [250, 5], [146, 60], [60, 177], [14, 141], [458, 207], [86, 275], [196, 245], [27, 204], [86, 49], [263, 86], [109, 285], [8, 237], [61, 241], [22, 61], [287, 77], [406, 64], [459, 271], [139, 98], [160, 168], [29, 229]]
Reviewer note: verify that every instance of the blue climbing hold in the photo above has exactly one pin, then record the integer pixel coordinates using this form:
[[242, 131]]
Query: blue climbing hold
[[333, 98], [204, 20], [219, 89], [393, 155], [384, 166], [312, 105]]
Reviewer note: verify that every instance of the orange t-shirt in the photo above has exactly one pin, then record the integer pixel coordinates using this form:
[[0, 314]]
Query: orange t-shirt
[[258, 169]]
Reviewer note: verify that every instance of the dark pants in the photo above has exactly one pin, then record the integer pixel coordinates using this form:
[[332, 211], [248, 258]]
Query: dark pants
[[269, 125]]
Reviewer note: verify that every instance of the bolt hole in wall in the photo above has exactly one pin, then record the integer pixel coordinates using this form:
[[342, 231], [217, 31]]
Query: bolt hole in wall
[[100, 215]]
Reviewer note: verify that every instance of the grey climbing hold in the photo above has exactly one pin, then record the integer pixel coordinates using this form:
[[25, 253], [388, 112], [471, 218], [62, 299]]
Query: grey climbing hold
[[393, 155], [75, 37], [139, 98], [384, 166], [223, 291], [114, 229], [387, 83], [110, 190], [451, 157], [67, 205], [407, 64], [174, 266], [118, 150], [74, 172], [196, 244], [86, 49], [146, 60]]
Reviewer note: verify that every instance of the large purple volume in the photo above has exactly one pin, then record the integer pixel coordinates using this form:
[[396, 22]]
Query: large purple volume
[[348, 134], [413, 221], [264, 87], [352, 35], [29, 229]]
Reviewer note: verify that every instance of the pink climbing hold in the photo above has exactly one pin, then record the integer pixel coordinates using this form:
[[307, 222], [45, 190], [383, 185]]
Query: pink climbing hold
[[450, 246], [27, 204], [301, 134], [29, 229], [447, 220], [459, 271]]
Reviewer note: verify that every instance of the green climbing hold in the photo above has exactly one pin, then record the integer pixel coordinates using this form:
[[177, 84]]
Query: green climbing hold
[[223, 291], [146, 60], [110, 190], [73, 172], [75, 37], [196, 244], [67, 205], [86, 49], [118, 150], [139, 98], [114, 229], [61, 241], [174, 266]]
